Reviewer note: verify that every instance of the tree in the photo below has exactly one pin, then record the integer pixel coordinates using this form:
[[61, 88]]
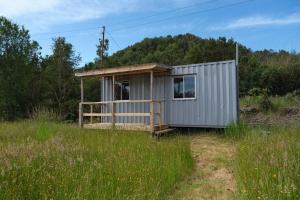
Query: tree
[[100, 50], [19, 68], [61, 82]]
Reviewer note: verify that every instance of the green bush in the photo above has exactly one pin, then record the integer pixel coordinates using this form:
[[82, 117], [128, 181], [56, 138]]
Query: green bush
[[254, 92], [265, 103]]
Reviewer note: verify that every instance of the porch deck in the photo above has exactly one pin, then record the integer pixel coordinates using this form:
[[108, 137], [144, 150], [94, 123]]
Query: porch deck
[[102, 115], [114, 113]]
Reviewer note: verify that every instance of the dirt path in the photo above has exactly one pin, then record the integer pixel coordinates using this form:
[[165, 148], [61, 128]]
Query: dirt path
[[213, 176]]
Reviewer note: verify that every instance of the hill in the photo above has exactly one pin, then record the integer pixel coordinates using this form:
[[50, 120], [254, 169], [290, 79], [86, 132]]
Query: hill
[[276, 71]]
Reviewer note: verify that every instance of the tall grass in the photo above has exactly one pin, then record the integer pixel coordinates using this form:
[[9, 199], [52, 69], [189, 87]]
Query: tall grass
[[278, 102], [268, 163], [46, 160]]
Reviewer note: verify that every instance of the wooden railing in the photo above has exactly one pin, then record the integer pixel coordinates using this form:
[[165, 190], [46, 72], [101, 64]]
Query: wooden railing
[[108, 109]]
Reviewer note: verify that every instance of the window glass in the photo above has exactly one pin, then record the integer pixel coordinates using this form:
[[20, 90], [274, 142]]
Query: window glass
[[178, 87], [189, 86], [122, 90], [184, 87], [125, 90], [117, 91]]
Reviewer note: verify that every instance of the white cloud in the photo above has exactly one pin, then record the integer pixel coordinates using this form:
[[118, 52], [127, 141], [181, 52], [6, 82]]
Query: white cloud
[[259, 21], [41, 15], [45, 13], [20, 7]]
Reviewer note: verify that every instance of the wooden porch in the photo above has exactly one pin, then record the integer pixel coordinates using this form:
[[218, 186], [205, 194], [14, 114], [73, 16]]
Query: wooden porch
[[102, 115], [107, 114]]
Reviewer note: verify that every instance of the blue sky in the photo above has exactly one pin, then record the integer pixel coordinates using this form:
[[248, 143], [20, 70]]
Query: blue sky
[[258, 24]]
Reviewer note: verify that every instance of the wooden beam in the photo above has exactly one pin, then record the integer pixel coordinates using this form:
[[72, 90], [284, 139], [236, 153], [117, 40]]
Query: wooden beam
[[151, 103], [91, 111], [81, 90], [133, 114], [121, 101], [97, 114], [80, 119], [80, 115], [144, 68], [102, 99], [113, 103], [160, 111]]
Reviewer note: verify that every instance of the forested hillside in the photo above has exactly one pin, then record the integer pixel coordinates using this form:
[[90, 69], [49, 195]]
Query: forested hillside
[[29, 81], [279, 72]]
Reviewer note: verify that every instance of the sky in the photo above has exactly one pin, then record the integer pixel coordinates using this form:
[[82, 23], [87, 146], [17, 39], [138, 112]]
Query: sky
[[258, 24]]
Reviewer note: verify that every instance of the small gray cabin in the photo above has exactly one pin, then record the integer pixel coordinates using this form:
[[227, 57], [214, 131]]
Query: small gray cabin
[[154, 96]]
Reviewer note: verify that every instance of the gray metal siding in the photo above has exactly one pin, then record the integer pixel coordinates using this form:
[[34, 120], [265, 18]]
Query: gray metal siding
[[139, 90], [215, 104]]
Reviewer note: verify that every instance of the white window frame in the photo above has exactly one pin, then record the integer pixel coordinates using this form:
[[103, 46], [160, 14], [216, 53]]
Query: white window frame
[[184, 98], [121, 82]]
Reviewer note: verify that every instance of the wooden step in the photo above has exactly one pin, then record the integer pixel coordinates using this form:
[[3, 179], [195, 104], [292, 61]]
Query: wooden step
[[162, 127], [163, 132]]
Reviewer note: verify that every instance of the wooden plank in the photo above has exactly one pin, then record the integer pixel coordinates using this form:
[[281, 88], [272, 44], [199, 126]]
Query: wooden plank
[[133, 114], [122, 126], [132, 101], [94, 103], [80, 115], [81, 90], [163, 132], [151, 103], [97, 114], [159, 117], [121, 101], [133, 69], [113, 103], [91, 111]]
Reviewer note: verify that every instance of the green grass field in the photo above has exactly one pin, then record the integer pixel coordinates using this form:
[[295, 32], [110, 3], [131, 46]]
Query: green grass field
[[47, 160], [267, 162]]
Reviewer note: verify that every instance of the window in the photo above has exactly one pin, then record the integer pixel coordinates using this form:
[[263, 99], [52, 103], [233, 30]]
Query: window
[[178, 87], [184, 87], [122, 90]]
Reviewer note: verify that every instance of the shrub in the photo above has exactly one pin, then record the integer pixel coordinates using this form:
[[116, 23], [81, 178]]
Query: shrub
[[43, 114], [265, 102], [254, 92]]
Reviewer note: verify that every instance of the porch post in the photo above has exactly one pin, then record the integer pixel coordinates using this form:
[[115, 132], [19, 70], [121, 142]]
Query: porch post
[[81, 89], [151, 103], [80, 104], [113, 103]]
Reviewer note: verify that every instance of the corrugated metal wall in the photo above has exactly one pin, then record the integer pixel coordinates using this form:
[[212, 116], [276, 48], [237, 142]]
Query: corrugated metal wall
[[215, 104], [216, 97], [139, 90]]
